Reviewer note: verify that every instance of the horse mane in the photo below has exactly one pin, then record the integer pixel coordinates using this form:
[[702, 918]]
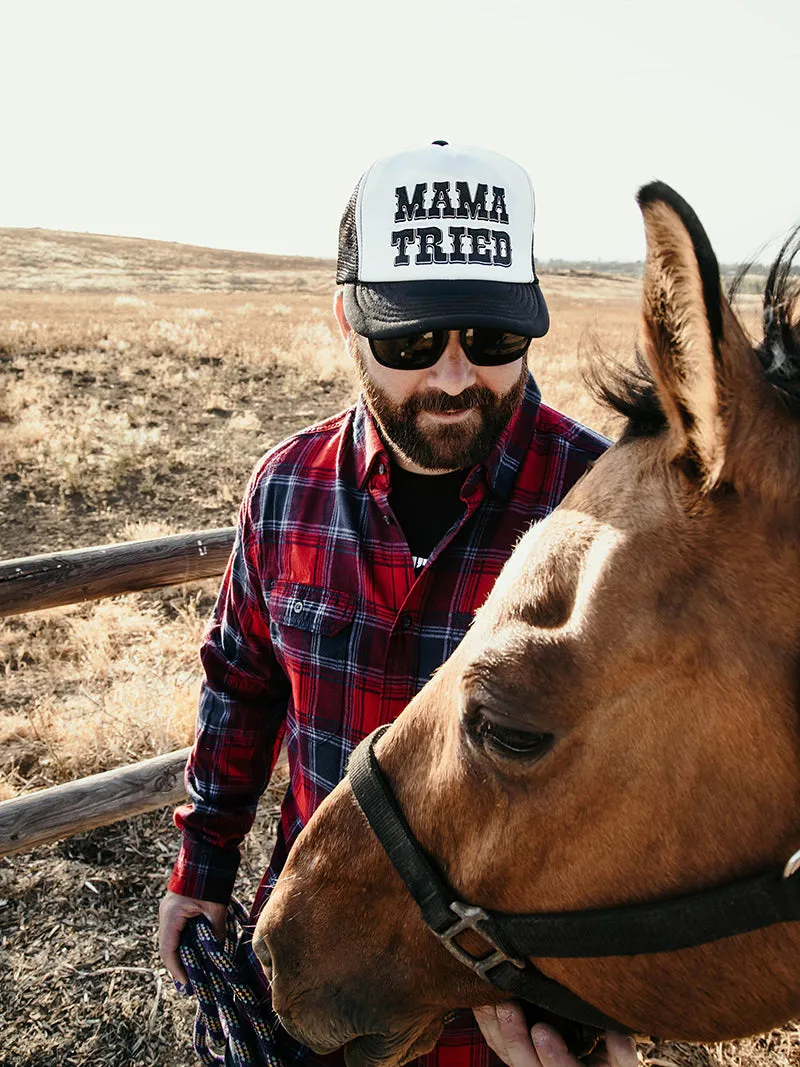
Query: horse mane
[[779, 350], [628, 390], [631, 390]]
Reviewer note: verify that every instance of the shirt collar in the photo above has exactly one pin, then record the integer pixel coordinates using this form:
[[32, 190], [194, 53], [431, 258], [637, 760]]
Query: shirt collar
[[500, 466], [369, 448], [505, 459]]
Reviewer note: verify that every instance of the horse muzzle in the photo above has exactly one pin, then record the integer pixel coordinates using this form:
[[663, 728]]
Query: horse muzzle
[[308, 1014]]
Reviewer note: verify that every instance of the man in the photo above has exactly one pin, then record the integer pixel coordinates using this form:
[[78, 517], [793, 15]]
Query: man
[[366, 543]]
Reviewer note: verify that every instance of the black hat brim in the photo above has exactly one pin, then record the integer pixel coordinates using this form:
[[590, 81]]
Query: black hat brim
[[391, 309]]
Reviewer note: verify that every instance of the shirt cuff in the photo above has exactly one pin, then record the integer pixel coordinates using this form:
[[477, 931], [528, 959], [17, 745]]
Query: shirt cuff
[[204, 871]]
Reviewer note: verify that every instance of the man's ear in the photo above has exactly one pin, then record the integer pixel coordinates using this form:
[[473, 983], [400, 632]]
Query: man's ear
[[338, 310]]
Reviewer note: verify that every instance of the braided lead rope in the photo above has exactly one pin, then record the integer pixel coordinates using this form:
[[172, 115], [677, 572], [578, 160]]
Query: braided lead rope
[[233, 1027]]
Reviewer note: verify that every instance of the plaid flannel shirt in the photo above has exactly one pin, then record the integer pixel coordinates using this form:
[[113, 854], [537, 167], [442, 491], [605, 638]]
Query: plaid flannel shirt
[[323, 631]]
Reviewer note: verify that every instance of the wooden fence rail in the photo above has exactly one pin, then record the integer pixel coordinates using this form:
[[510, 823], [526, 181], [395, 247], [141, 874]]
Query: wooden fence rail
[[63, 810], [49, 581]]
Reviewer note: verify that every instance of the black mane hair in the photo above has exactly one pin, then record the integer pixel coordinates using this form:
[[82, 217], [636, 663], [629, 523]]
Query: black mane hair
[[779, 350], [631, 391]]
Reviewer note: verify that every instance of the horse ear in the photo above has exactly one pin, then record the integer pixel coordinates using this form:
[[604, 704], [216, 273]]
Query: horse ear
[[684, 313]]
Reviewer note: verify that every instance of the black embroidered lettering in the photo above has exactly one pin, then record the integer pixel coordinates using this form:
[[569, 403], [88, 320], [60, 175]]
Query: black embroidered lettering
[[457, 237], [430, 246], [481, 247], [410, 209], [401, 239], [441, 205], [502, 248], [468, 207], [499, 212]]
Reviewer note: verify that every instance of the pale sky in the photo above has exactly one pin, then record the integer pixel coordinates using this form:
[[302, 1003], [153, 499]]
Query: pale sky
[[246, 125]]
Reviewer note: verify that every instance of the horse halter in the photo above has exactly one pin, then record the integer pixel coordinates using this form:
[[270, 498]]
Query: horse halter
[[663, 926]]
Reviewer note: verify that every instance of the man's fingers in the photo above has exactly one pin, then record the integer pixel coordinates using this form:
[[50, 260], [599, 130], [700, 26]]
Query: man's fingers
[[216, 915], [174, 912], [168, 938], [551, 1047], [615, 1050], [506, 1033], [621, 1050], [486, 1019]]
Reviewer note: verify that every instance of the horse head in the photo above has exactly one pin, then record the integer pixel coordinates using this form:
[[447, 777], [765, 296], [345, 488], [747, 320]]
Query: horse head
[[618, 727]]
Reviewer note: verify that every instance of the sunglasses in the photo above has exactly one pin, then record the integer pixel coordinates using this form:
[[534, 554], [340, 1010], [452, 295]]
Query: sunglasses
[[417, 351]]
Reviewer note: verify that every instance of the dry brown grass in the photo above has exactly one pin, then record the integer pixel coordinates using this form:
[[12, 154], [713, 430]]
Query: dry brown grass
[[124, 416], [103, 397], [98, 685], [131, 414], [53, 261]]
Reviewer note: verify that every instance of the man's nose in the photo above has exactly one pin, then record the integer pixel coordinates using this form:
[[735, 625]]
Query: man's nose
[[452, 372]]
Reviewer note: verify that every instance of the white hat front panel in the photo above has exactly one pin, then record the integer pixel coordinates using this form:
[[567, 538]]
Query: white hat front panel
[[445, 212]]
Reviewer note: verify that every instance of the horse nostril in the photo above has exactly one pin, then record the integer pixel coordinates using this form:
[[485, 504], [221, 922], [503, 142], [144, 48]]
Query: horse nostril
[[261, 950]]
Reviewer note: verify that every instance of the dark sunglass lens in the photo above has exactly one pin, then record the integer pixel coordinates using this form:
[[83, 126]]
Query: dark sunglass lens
[[493, 348], [413, 352]]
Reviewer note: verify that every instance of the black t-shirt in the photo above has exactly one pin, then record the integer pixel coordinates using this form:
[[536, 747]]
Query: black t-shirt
[[426, 506]]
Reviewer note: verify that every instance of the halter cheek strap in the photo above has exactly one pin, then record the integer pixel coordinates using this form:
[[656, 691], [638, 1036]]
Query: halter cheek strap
[[662, 926], [447, 916]]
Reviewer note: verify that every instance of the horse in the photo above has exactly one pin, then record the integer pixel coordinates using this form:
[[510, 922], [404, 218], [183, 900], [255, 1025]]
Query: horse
[[613, 749]]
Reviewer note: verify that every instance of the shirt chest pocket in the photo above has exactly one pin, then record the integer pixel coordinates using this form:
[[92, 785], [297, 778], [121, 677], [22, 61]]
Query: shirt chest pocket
[[310, 608], [311, 629]]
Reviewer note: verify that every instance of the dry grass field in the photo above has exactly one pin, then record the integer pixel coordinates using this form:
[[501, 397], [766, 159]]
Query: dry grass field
[[139, 384]]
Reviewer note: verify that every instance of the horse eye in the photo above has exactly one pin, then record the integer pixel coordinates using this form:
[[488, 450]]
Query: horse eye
[[506, 741]]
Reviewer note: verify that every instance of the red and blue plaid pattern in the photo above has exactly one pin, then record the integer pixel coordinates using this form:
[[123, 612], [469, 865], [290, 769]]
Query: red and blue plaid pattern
[[322, 631]]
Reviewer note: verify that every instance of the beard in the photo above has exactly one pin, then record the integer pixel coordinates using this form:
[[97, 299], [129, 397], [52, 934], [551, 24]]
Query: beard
[[442, 447]]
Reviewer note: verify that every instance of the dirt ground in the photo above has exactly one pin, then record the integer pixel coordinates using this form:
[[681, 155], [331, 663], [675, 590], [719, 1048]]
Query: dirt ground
[[139, 384], [81, 978]]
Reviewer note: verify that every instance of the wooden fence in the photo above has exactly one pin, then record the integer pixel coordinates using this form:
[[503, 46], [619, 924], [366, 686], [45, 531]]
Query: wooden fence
[[36, 582]]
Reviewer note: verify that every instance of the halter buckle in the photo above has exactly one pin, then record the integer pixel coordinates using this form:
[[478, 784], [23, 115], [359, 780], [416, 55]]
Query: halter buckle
[[469, 916]]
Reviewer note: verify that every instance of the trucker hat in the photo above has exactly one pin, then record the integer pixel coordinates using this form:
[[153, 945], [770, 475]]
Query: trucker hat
[[440, 236]]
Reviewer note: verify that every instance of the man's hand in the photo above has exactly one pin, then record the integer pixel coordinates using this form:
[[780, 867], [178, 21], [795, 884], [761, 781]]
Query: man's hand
[[506, 1033], [174, 912]]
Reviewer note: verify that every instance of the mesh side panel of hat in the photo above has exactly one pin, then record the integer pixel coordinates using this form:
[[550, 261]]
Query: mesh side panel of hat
[[347, 265]]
